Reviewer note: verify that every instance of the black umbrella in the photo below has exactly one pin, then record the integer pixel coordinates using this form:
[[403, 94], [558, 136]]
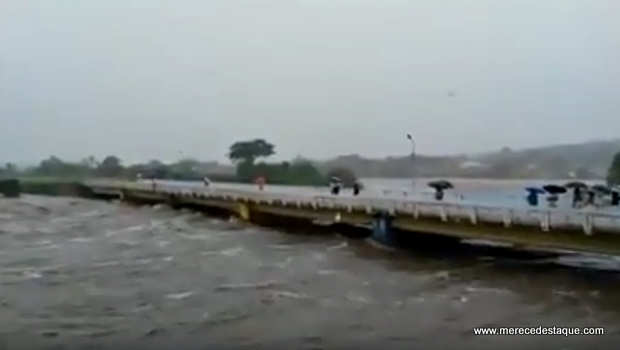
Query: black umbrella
[[601, 189], [535, 190], [441, 185], [575, 184], [554, 189]]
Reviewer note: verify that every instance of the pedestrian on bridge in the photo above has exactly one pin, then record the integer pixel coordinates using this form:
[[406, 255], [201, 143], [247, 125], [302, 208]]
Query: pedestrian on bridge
[[532, 195], [615, 197], [260, 182], [357, 187], [578, 190], [554, 192], [335, 185], [440, 187]]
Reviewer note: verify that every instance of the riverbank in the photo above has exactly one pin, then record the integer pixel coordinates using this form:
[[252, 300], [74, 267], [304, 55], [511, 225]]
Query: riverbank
[[53, 187]]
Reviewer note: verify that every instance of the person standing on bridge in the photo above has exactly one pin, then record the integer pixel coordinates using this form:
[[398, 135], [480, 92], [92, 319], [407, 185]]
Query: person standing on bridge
[[260, 182], [335, 185], [615, 197], [357, 187]]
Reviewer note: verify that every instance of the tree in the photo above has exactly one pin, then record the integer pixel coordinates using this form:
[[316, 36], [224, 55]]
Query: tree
[[90, 162], [110, 167], [584, 173], [249, 151], [52, 166], [613, 174], [10, 169]]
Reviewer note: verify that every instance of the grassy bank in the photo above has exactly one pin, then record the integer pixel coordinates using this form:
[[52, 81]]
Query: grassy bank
[[9, 188], [49, 186]]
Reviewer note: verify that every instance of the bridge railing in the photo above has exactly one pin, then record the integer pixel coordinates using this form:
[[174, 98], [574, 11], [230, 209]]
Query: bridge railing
[[545, 218]]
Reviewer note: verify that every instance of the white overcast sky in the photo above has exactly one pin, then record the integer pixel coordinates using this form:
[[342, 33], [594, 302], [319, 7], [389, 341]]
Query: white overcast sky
[[152, 78]]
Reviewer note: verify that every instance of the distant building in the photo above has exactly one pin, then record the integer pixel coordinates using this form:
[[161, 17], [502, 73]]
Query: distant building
[[469, 164]]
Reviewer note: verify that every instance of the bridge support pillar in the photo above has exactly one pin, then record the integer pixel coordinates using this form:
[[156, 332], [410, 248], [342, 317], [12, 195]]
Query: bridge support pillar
[[173, 201], [382, 229], [244, 211]]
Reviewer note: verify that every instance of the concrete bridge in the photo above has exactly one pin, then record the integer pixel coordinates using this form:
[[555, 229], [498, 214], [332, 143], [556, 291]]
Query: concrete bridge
[[556, 229]]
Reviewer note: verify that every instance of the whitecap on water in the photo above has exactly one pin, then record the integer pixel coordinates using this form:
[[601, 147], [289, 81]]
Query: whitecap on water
[[177, 296], [201, 236], [43, 242], [88, 214], [281, 247], [338, 246], [486, 290], [232, 251], [32, 275], [259, 285], [125, 230], [108, 263], [287, 294], [356, 297], [81, 240]]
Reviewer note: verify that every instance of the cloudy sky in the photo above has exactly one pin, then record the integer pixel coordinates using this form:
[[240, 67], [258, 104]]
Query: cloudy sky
[[153, 78]]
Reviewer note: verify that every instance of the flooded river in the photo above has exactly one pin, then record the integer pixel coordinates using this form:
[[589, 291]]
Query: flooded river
[[76, 272]]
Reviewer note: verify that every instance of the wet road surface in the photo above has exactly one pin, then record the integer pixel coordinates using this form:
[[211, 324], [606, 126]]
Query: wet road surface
[[76, 273]]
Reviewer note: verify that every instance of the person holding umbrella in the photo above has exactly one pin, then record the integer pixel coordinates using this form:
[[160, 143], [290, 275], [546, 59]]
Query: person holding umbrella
[[440, 186], [590, 198], [554, 192], [357, 188], [598, 192], [260, 182], [615, 196], [532, 195], [335, 185], [578, 189]]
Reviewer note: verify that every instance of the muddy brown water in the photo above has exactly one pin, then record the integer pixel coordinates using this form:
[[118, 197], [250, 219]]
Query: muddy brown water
[[76, 273]]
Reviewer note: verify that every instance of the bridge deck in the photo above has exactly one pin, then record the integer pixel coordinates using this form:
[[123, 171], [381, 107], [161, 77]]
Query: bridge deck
[[586, 220]]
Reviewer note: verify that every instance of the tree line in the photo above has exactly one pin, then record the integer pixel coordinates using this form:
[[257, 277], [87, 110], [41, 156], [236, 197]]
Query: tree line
[[613, 174], [245, 155]]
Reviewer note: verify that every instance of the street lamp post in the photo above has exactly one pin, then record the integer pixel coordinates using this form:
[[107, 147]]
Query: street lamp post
[[412, 141]]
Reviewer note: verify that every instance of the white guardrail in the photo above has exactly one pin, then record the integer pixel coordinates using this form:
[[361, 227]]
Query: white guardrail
[[546, 218]]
